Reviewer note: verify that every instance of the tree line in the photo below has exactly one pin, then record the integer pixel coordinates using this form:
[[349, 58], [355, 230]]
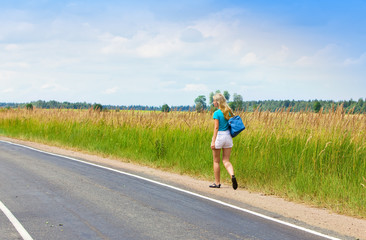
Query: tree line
[[238, 104], [83, 105], [235, 101]]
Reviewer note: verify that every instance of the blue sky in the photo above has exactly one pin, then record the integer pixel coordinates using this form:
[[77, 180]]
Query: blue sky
[[157, 52]]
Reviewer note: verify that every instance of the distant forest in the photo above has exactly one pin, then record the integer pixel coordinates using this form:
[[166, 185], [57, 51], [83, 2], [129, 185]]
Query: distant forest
[[248, 106]]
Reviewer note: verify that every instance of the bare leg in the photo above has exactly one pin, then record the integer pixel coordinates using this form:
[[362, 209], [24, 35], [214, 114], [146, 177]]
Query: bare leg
[[226, 161], [216, 164], [229, 166]]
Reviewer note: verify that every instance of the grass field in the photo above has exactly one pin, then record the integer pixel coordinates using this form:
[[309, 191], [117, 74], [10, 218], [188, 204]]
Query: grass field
[[318, 158]]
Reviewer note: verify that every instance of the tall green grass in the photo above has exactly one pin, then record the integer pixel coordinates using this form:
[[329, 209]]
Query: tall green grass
[[316, 158]]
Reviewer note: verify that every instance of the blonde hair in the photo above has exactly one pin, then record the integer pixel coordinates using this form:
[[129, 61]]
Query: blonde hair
[[223, 106]]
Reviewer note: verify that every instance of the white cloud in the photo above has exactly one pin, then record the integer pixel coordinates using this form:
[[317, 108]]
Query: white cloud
[[323, 57], [8, 90], [167, 83], [143, 44], [110, 90], [114, 44], [155, 49], [249, 59], [53, 87], [218, 25], [304, 61], [15, 65], [191, 35], [195, 88], [280, 57], [355, 61], [238, 46], [284, 51], [11, 47], [6, 75], [15, 29], [24, 27], [161, 45]]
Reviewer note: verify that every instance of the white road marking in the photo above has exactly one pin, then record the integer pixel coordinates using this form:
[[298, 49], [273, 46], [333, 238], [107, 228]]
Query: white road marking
[[18, 226], [185, 191]]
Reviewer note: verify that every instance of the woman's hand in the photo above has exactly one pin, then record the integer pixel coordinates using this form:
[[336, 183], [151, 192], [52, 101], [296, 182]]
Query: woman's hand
[[216, 129]]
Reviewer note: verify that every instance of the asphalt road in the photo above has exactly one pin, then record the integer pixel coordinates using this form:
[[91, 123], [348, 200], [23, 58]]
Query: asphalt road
[[57, 198]]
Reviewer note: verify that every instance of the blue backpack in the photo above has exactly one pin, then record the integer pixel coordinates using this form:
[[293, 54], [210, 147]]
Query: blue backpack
[[236, 125]]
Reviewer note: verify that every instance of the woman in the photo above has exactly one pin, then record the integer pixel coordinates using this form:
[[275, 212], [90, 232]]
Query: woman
[[222, 140]]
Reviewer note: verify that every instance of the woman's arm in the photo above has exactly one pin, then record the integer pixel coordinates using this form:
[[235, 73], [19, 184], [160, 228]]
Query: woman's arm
[[216, 129]]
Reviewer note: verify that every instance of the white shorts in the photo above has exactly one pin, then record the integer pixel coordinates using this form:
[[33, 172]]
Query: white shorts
[[223, 140]]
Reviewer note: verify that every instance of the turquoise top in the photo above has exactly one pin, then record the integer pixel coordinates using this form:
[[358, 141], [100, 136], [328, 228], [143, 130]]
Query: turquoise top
[[223, 125]]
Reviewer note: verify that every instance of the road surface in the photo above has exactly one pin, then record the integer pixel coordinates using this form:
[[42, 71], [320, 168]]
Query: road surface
[[55, 197]]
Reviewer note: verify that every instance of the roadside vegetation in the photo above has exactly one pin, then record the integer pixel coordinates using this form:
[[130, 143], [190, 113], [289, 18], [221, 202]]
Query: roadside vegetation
[[317, 158]]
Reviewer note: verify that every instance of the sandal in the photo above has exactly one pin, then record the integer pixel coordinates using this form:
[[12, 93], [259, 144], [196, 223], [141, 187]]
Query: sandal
[[215, 186], [235, 183]]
